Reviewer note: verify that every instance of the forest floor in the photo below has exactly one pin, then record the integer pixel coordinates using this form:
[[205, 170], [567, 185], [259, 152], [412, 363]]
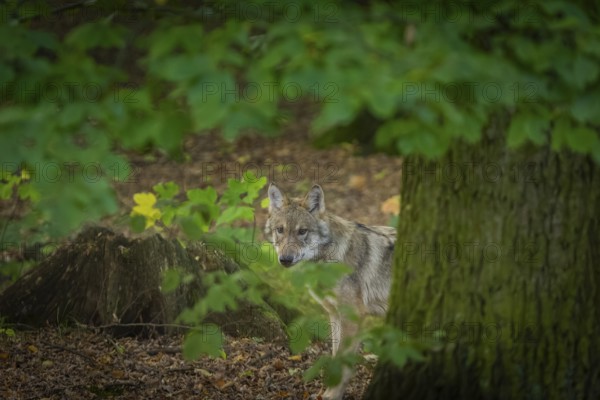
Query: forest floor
[[77, 363], [85, 363]]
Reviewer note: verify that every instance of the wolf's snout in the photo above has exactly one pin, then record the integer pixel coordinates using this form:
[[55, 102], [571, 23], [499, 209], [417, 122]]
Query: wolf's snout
[[286, 260]]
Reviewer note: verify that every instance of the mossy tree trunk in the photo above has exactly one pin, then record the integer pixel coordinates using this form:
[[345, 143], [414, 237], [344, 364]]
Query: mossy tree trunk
[[497, 255]]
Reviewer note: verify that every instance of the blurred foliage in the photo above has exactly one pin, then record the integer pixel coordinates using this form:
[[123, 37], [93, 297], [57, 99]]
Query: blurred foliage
[[200, 211], [221, 222], [82, 81]]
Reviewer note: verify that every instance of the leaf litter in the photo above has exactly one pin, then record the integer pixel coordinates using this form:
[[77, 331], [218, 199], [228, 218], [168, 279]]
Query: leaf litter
[[80, 363]]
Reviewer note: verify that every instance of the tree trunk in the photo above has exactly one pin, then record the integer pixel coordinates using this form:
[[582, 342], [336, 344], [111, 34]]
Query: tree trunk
[[497, 257], [103, 278]]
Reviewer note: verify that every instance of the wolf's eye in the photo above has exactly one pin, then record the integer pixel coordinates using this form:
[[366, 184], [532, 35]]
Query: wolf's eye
[[302, 231], [280, 229]]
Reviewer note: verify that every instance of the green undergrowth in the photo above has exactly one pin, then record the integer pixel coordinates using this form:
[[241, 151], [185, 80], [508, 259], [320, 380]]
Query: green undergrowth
[[225, 222]]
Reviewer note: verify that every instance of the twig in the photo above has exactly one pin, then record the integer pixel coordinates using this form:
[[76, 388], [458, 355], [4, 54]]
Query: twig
[[117, 349], [96, 328], [76, 352], [140, 324]]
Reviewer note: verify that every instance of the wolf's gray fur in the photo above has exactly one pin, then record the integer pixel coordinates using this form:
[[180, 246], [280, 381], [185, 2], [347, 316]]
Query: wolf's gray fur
[[302, 229]]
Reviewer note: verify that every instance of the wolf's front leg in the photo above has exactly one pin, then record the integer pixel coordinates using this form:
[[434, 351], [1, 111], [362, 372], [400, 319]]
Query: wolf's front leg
[[343, 341]]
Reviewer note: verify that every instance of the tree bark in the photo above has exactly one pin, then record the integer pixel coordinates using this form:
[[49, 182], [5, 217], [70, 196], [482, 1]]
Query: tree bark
[[496, 257], [104, 278]]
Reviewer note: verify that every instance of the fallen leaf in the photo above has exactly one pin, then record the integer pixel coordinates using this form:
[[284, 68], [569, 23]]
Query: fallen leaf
[[239, 358], [391, 205], [105, 359], [117, 374], [358, 182], [278, 365], [247, 372], [295, 357], [32, 348], [47, 363], [203, 372], [222, 384]]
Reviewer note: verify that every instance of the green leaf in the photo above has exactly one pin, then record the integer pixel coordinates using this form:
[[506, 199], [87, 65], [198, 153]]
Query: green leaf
[[584, 71], [208, 340], [183, 67], [577, 137], [211, 99], [299, 334], [582, 139], [168, 214], [202, 196], [69, 202], [383, 102], [387, 134], [336, 112], [245, 190], [235, 192], [232, 214], [264, 203], [472, 127], [333, 371], [585, 107], [28, 191], [222, 296], [13, 114], [315, 369], [253, 186], [412, 136], [321, 277], [166, 190], [96, 34], [171, 280], [170, 38], [194, 227], [137, 223], [526, 126], [398, 356]]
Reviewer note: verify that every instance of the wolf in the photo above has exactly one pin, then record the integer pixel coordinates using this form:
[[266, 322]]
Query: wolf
[[301, 229]]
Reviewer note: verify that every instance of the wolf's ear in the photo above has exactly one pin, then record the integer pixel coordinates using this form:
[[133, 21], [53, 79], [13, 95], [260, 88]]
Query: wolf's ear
[[276, 198], [315, 200]]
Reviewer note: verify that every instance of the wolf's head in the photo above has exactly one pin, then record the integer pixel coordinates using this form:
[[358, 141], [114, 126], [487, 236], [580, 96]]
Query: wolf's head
[[295, 226]]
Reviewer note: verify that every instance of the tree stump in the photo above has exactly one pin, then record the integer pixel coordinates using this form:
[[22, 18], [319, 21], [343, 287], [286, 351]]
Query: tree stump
[[103, 278]]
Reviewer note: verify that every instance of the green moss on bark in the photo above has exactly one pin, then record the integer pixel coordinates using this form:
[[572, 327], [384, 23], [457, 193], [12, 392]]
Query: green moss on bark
[[497, 250]]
